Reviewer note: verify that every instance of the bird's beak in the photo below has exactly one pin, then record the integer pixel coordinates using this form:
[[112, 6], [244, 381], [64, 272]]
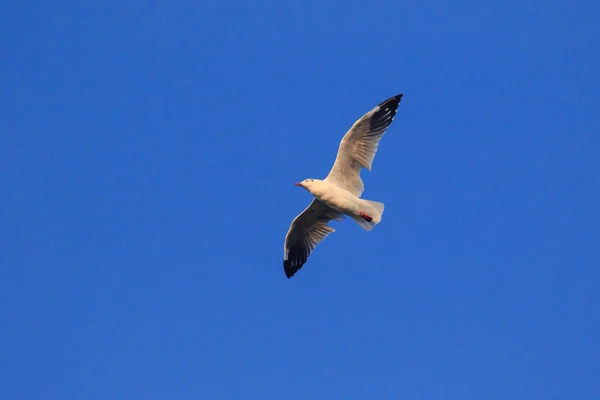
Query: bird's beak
[[298, 183]]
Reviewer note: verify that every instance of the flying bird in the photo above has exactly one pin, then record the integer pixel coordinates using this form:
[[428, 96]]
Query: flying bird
[[338, 195]]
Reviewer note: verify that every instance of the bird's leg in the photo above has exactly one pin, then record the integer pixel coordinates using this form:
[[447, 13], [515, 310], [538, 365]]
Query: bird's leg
[[366, 217]]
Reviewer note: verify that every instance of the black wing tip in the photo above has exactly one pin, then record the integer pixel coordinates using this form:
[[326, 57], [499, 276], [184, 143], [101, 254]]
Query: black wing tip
[[289, 269], [392, 102], [385, 113]]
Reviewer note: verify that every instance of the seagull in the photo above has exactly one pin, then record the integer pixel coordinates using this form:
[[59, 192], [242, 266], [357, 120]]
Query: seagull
[[338, 195]]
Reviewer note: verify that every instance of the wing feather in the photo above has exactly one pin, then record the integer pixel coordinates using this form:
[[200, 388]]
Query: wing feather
[[306, 231], [359, 146]]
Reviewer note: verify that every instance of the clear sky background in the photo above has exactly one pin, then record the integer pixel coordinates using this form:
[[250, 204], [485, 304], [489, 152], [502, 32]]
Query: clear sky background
[[148, 152]]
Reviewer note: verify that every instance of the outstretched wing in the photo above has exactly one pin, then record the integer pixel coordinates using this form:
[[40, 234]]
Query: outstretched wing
[[359, 145], [306, 231]]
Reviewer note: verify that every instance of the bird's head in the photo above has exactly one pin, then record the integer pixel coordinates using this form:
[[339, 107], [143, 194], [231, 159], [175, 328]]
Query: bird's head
[[307, 183]]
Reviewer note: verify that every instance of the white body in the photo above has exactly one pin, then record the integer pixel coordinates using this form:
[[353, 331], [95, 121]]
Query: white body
[[345, 202], [334, 196]]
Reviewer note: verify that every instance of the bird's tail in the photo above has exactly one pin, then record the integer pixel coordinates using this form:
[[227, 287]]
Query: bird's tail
[[371, 212]]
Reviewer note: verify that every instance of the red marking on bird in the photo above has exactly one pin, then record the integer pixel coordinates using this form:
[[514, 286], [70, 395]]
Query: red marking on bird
[[366, 217]]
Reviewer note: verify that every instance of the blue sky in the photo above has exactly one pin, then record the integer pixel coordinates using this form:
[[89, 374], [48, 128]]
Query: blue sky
[[147, 160]]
